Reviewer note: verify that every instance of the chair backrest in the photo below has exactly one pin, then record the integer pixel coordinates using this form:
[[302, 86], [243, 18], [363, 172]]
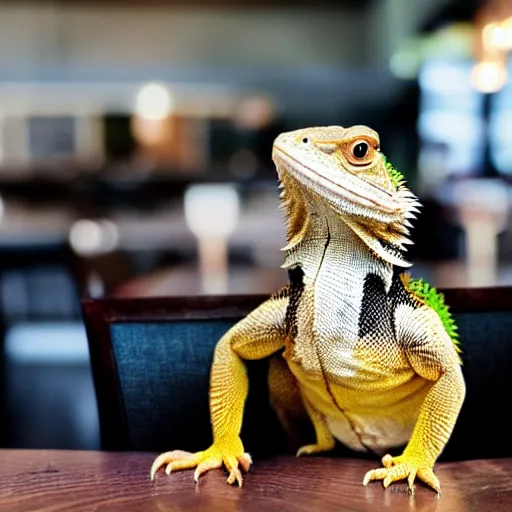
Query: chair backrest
[[151, 361], [484, 319]]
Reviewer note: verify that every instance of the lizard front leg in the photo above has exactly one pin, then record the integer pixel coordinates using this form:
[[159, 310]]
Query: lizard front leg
[[433, 357], [257, 336]]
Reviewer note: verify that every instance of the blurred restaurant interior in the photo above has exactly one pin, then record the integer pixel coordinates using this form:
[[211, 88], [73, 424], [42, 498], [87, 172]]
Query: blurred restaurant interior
[[135, 158]]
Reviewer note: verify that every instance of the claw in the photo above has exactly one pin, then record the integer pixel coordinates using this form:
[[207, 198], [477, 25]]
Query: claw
[[410, 480], [374, 474], [166, 459], [428, 476], [399, 468], [245, 461], [306, 450], [205, 466], [387, 461], [235, 474], [212, 458], [311, 449]]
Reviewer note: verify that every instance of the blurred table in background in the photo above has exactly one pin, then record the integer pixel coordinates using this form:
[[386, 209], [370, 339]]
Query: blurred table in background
[[153, 251], [149, 237]]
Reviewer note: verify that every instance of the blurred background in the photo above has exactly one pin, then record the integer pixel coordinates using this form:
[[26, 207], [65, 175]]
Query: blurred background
[[135, 144]]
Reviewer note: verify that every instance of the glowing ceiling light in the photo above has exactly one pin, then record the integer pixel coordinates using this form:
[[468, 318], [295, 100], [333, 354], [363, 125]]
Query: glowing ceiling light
[[498, 36], [489, 77], [153, 102], [211, 210], [492, 35], [506, 26], [88, 237]]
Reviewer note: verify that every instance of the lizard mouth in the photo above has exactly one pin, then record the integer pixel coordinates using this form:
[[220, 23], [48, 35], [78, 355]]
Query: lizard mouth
[[363, 193]]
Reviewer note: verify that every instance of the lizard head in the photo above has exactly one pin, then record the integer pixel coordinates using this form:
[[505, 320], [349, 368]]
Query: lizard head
[[343, 169]]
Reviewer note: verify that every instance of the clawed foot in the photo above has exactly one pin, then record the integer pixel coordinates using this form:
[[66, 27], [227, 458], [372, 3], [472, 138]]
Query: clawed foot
[[229, 454], [399, 468]]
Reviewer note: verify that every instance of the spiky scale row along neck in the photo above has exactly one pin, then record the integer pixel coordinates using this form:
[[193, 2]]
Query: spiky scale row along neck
[[295, 208], [341, 174], [397, 178], [425, 293]]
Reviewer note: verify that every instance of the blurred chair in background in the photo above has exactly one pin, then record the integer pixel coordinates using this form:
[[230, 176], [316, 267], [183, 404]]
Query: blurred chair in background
[[45, 374]]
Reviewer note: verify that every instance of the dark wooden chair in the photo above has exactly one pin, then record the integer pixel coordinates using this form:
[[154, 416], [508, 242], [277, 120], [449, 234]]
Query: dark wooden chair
[[151, 361]]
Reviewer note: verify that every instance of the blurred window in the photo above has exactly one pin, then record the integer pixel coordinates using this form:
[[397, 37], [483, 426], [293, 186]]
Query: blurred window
[[450, 116], [51, 137], [500, 128]]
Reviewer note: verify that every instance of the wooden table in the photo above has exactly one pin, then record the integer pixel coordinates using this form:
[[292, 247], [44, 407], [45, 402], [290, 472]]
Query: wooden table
[[94, 481]]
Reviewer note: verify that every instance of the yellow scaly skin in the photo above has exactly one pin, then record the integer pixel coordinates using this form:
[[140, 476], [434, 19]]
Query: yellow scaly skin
[[369, 364]]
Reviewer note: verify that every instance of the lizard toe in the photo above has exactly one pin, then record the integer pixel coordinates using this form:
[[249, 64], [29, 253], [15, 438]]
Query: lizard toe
[[230, 454], [401, 468]]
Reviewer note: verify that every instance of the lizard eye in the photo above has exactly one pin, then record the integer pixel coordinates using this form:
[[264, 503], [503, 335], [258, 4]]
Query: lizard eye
[[360, 150]]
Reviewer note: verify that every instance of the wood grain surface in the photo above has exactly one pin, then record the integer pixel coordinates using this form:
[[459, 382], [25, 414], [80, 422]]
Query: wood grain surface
[[40, 480]]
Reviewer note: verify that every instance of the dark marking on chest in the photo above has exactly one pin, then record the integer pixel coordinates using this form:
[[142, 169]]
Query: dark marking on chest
[[296, 287], [399, 296], [375, 315]]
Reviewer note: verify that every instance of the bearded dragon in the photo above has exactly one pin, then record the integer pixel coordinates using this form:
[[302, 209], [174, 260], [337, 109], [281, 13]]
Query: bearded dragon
[[355, 345]]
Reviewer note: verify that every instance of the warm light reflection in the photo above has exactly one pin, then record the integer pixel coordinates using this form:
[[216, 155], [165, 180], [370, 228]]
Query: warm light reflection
[[498, 36], [506, 40], [489, 77], [153, 102], [492, 33], [151, 132], [255, 112]]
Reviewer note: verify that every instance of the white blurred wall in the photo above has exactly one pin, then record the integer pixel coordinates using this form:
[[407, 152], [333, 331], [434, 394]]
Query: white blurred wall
[[77, 38]]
